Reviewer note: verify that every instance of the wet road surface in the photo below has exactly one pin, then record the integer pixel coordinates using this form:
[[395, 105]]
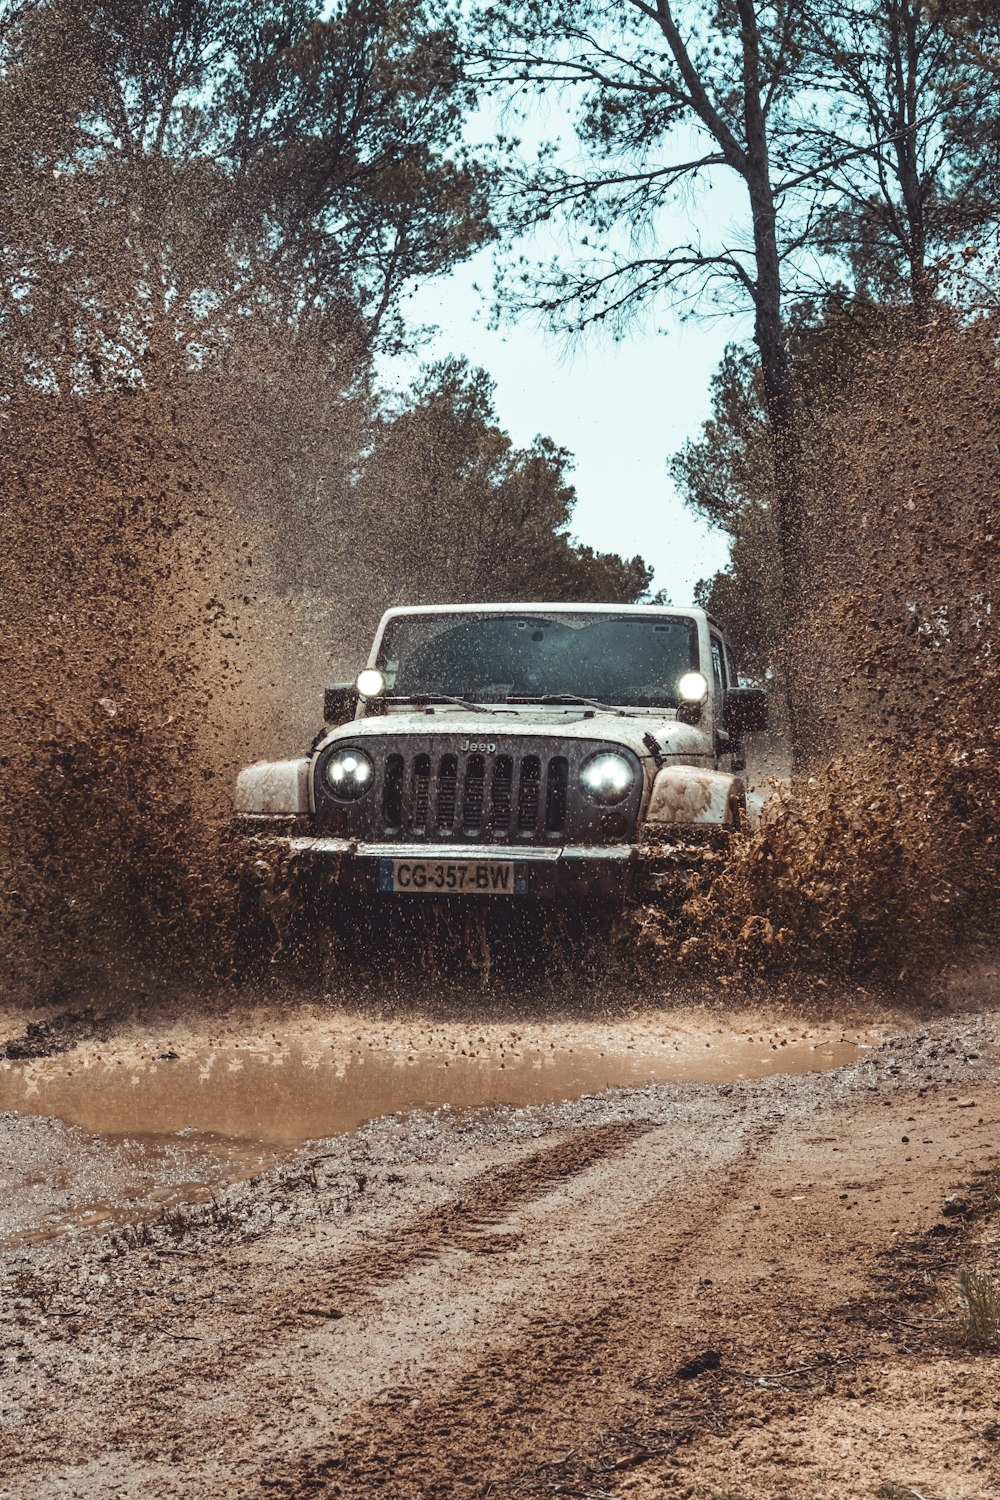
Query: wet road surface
[[741, 1287]]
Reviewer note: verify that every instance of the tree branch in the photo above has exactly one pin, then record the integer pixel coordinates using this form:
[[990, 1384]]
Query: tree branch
[[698, 94]]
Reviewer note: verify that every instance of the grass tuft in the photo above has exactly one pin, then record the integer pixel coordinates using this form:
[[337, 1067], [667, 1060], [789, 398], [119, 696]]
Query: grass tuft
[[979, 1292], [891, 1490], [35, 1288]]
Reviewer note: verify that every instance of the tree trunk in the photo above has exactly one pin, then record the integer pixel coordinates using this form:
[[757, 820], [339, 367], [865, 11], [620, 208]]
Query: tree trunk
[[769, 336], [903, 22]]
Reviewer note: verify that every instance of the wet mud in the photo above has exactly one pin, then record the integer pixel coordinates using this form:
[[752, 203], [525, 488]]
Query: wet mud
[[746, 1285]]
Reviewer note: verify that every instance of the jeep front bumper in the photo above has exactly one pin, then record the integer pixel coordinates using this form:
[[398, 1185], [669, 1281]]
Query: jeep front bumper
[[561, 872], [565, 872]]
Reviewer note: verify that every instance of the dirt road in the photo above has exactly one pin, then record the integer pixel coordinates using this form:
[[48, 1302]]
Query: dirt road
[[743, 1290]]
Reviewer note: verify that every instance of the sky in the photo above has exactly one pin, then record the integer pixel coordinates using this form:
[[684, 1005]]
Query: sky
[[620, 408]]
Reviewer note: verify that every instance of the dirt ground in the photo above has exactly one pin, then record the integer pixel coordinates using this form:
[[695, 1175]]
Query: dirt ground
[[737, 1290]]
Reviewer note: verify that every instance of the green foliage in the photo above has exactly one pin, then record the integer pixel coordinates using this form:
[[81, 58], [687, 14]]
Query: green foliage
[[880, 145], [176, 170], [904, 105], [726, 474], [453, 511], [743, 598], [728, 468], [662, 106]]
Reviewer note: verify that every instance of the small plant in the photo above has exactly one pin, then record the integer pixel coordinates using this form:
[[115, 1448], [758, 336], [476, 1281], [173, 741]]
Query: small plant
[[980, 1296], [890, 1490], [132, 1237], [176, 1222], [221, 1215], [987, 1185], [30, 1285]]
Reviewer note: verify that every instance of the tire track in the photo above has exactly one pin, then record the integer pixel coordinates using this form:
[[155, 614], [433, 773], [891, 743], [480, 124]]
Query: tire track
[[486, 1202], [278, 1312], [484, 1434]]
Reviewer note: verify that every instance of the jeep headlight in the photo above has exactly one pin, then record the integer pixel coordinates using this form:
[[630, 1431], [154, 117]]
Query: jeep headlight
[[693, 688], [348, 774], [607, 778]]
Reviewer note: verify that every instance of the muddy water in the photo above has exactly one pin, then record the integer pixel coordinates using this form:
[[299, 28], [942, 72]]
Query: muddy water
[[286, 1096]]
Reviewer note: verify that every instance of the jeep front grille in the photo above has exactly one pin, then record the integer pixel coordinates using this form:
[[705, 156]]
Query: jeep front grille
[[501, 802], [447, 796], [421, 791], [500, 795], [528, 794]]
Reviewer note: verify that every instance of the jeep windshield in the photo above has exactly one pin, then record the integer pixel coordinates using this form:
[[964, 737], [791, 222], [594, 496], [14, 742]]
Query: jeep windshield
[[625, 660]]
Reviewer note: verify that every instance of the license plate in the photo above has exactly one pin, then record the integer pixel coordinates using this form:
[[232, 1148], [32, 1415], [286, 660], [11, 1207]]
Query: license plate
[[471, 877]]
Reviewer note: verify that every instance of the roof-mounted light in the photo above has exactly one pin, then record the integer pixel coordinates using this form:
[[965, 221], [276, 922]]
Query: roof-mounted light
[[370, 683]]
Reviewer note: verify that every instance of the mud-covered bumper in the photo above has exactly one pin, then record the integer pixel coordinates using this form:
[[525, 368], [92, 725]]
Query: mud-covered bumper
[[561, 872], [566, 872]]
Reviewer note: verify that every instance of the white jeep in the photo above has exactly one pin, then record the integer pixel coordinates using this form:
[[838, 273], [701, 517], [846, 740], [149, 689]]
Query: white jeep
[[520, 753]]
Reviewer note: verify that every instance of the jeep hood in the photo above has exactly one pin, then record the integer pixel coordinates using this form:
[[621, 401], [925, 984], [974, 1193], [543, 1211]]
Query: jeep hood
[[674, 739]]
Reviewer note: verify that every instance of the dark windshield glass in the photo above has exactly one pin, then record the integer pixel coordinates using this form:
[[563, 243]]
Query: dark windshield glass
[[621, 659]]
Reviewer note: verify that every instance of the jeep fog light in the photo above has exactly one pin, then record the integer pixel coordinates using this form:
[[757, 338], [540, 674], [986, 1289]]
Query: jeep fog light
[[370, 683], [348, 774], [607, 778], [692, 687]]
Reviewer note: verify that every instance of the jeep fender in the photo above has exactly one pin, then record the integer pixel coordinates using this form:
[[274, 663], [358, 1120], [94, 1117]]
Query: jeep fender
[[275, 789], [692, 796]]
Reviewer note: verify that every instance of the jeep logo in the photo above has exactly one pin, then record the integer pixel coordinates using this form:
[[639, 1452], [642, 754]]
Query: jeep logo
[[478, 747]]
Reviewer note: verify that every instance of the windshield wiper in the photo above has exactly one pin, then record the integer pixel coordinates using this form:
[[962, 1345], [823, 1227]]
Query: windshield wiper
[[431, 698], [570, 700]]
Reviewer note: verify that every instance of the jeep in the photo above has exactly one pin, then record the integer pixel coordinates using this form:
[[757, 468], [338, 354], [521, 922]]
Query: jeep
[[517, 753]]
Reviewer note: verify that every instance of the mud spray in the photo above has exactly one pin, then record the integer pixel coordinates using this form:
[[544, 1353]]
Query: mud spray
[[882, 859], [178, 565], [180, 441]]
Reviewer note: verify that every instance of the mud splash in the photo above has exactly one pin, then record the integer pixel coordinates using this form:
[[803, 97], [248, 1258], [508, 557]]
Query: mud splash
[[287, 1097], [53, 1186]]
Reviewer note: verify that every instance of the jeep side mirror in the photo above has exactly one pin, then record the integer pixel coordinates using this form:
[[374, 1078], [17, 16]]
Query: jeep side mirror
[[745, 711], [340, 702]]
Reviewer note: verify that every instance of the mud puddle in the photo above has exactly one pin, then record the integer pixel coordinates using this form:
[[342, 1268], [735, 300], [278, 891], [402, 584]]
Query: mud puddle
[[284, 1097]]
